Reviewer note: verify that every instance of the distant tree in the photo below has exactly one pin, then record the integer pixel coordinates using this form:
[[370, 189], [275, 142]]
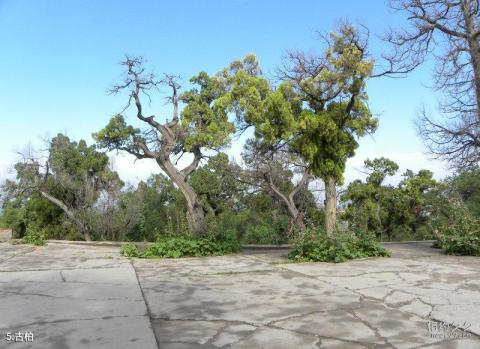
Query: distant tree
[[419, 198], [113, 216], [466, 184], [72, 178], [161, 209], [273, 172], [406, 211], [366, 202], [202, 125], [449, 31]]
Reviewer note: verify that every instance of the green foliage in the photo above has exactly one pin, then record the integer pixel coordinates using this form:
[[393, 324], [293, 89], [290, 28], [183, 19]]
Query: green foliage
[[129, 250], [185, 247], [33, 236], [14, 217], [35, 211], [78, 175], [379, 169], [315, 246], [467, 185], [393, 213], [217, 186], [460, 235], [205, 121], [162, 210], [324, 134], [262, 235], [117, 134]]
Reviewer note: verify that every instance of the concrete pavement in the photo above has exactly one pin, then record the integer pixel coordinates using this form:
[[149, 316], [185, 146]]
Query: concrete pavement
[[75, 296], [71, 297]]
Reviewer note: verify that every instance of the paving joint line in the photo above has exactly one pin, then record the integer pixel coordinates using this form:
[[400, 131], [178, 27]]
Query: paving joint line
[[149, 312]]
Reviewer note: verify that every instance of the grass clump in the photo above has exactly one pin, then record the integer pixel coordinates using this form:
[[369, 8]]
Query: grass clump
[[314, 245]]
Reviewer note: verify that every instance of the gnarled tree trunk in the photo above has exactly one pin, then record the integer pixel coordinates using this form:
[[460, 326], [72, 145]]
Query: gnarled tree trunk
[[195, 213], [330, 205], [81, 226], [297, 217]]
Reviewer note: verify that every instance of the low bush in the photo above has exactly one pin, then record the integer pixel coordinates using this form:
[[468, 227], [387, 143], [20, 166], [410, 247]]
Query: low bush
[[460, 235], [129, 250], [33, 236], [262, 235], [314, 245], [182, 247]]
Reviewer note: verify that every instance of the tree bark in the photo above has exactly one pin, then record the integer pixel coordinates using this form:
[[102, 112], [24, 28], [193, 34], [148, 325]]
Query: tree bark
[[474, 48], [195, 213], [330, 206], [297, 217], [83, 228], [299, 221]]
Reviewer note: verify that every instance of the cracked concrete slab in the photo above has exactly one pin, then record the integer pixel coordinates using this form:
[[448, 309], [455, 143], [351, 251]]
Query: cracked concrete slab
[[276, 338], [370, 303], [256, 297], [72, 297], [335, 324]]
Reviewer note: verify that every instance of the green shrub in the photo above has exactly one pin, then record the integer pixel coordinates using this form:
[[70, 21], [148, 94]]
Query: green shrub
[[262, 234], [33, 236], [185, 247], [460, 235], [315, 246], [129, 250]]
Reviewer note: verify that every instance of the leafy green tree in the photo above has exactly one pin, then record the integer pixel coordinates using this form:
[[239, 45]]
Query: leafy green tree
[[319, 110], [365, 202], [407, 211], [466, 184], [202, 125], [72, 178], [420, 197], [332, 85]]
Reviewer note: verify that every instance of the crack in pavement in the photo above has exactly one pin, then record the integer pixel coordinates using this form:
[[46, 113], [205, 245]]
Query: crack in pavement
[[62, 277], [147, 306], [64, 268], [373, 328], [68, 297]]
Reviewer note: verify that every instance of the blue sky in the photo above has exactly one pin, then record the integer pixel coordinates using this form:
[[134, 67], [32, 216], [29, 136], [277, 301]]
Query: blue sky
[[60, 57]]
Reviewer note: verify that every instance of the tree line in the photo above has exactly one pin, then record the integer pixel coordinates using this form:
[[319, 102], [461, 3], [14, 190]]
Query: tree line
[[305, 126]]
